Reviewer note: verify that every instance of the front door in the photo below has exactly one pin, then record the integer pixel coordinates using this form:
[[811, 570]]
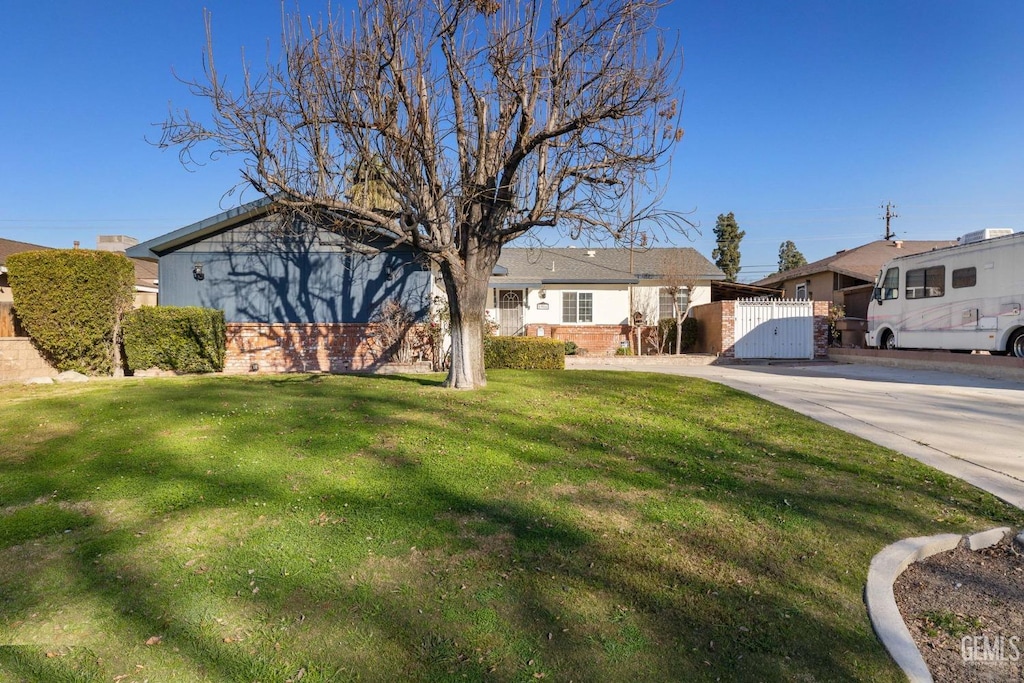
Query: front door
[[510, 312]]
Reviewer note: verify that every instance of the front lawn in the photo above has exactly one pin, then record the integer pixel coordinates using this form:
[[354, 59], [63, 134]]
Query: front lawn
[[580, 526]]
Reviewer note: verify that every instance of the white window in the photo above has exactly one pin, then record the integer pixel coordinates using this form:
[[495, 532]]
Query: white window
[[577, 307], [801, 292], [665, 302]]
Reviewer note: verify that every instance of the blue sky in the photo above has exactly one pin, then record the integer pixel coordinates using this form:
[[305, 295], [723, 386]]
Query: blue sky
[[802, 117]]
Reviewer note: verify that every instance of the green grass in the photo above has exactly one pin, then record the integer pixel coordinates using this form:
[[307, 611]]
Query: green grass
[[565, 525], [950, 623]]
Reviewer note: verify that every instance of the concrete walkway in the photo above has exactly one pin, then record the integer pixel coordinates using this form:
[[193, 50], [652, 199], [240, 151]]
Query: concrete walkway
[[969, 427]]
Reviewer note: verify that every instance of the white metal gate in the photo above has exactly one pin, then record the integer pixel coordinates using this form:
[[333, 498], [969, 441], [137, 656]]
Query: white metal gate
[[510, 313], [774, 329]]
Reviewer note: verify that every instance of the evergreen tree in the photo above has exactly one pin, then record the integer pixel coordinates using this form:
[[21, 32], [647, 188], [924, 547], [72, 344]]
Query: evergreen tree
[[727, 253], [790, 257]]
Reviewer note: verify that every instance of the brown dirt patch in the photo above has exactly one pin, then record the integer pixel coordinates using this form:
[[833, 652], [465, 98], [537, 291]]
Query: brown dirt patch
[[965, 610]]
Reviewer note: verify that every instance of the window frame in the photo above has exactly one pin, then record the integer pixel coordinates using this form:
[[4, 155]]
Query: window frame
[[928, 282], [582, 307], [963, 278], [889, 287], [664, 297]]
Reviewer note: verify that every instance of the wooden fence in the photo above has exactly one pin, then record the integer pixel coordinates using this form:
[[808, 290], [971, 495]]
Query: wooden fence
[[9, 326]]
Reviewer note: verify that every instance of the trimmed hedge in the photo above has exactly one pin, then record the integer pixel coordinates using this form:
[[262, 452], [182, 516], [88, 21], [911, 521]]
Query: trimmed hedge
[[70, 302], [667, 329], [524, 353], [178, 338]]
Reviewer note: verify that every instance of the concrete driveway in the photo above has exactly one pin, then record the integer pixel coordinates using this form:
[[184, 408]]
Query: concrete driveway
[[969, 427]]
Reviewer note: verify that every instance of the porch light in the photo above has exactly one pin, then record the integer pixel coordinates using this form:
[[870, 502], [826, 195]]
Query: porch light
[[197, 271]]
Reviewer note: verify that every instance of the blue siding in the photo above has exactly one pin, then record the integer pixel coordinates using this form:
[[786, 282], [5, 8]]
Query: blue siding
[[291, 280]]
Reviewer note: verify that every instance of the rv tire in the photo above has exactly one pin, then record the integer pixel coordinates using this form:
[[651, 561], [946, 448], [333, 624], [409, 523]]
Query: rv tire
[[887, 342], [1016, 344]]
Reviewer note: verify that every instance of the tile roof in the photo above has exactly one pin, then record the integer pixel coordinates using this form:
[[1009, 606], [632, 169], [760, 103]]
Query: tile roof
[[612, 266], [862, 262]]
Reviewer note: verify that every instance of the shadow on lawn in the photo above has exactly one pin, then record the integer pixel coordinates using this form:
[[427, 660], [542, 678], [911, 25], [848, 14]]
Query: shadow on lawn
[[550, 568]]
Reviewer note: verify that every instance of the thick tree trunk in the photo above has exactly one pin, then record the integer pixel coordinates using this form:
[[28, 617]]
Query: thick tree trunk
[[467, 300]]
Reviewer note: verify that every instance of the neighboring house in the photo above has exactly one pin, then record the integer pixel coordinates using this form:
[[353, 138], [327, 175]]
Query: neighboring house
[[846, 279], [294, 298], [592, 296]]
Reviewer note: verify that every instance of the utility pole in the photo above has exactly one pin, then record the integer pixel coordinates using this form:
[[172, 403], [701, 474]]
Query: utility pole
[[889, 215]]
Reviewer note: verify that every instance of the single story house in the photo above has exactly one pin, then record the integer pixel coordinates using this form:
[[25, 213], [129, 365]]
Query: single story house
[[294, 297], [593, 297], [846, 279]]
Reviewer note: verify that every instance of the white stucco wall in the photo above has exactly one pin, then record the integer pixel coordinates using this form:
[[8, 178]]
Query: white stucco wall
[[612, 303]]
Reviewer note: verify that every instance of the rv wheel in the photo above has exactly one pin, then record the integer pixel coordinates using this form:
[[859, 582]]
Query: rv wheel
[[887, 342], [1016, 345]]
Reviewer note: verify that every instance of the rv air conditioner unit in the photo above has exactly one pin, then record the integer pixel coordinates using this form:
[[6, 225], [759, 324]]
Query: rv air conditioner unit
[[986, 234]]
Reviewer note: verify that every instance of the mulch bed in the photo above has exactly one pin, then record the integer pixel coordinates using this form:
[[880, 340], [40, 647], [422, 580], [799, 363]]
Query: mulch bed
[[965, 610]]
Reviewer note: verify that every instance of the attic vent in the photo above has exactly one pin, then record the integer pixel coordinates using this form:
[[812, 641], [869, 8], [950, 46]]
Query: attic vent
[[591, 253]]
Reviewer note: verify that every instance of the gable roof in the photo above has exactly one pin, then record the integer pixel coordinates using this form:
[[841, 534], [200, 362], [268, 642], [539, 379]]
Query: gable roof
[[861, 262], [154, 248], [567, 265]]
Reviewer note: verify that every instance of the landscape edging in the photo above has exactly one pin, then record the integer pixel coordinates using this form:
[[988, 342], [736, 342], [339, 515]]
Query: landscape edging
[[885, 568]]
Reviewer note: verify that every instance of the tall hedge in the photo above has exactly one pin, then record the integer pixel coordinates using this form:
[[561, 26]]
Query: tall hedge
[[178, 338], [524, 353], [70, 302]]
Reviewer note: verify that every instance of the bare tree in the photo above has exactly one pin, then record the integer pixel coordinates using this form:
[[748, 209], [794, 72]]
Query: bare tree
[[677, 281], [477, 123]]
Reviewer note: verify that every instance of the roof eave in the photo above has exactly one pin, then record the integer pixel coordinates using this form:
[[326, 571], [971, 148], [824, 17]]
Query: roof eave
[[158, 246]]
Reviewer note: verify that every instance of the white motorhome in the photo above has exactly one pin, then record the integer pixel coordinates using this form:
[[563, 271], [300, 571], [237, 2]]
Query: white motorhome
[[961, 298]]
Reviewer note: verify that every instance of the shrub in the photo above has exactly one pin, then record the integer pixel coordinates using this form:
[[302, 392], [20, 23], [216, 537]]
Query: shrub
[[667, 332], [624, 351], [178, 338], [71, 302], [571, 349], [524, 353], [392, 341]]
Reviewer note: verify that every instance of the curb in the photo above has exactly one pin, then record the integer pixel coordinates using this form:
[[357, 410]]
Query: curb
[[885, 616]]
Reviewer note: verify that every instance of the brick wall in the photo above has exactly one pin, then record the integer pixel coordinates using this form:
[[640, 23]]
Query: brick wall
[[20, 361], [598, 340], [293, 347], [821, 329]]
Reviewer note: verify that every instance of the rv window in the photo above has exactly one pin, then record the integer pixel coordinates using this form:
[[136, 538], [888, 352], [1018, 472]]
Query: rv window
[[965, 277], [924, 283], [891, 284]]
